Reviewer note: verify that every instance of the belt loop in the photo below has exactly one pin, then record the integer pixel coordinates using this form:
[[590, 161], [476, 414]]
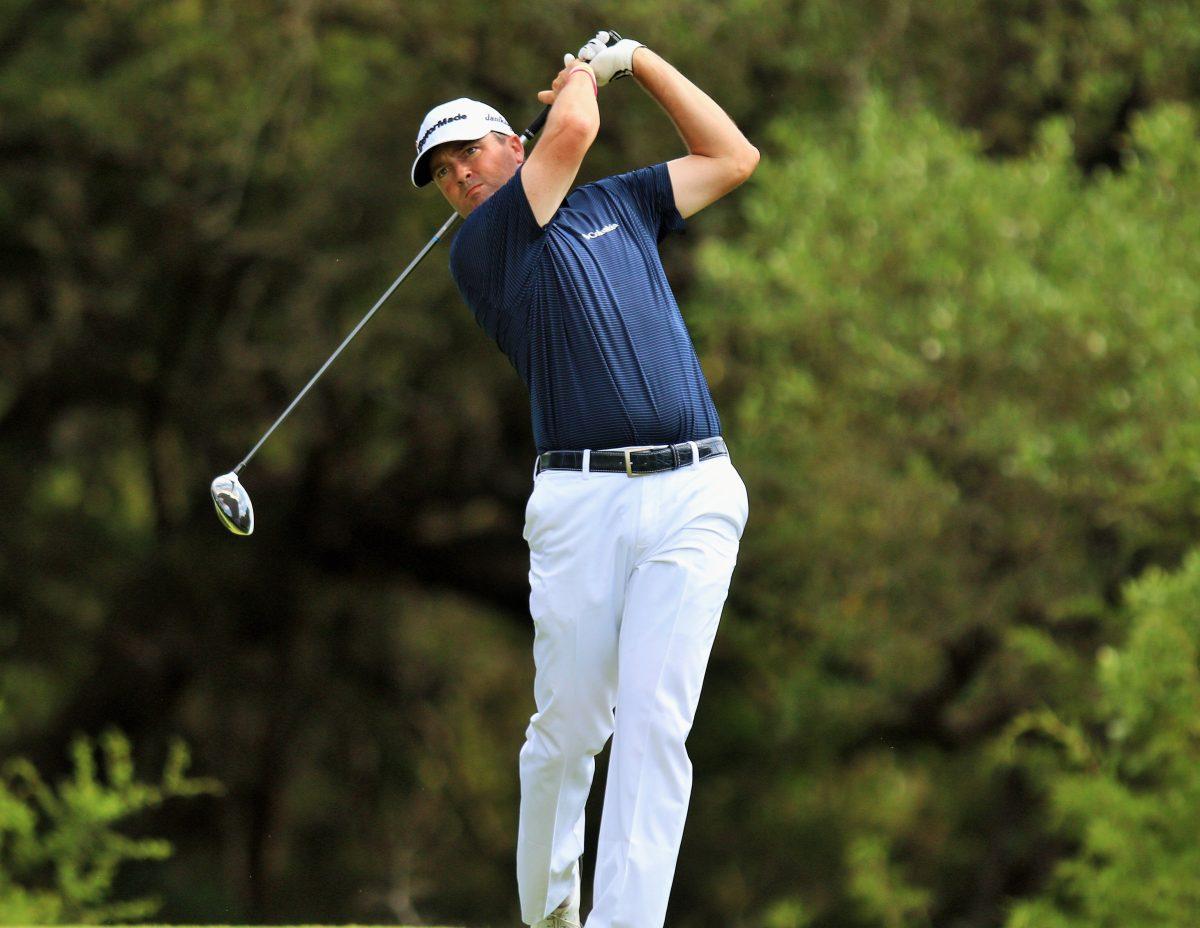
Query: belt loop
[[695, 454], [674, 457], [587, 462], [537, 462]]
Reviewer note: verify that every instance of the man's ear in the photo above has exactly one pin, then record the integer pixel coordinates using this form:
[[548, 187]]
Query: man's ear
[[517, 146]]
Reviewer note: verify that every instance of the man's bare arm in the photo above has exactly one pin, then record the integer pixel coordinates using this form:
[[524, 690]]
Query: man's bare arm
[[719, 157], [570, 130]]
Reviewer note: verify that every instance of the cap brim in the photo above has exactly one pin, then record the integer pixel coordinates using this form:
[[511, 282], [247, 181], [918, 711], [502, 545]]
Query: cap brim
[[420, 168]]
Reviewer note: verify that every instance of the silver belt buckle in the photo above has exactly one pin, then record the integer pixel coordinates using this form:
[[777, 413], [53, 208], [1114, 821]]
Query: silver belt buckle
[[629, 464]]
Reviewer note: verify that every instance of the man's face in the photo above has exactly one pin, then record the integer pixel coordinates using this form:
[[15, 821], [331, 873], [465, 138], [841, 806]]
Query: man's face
[[468, 173]]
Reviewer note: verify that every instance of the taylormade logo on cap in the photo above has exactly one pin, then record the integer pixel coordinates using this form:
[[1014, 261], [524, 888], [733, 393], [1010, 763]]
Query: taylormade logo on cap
[[457, 121], [437, 125]]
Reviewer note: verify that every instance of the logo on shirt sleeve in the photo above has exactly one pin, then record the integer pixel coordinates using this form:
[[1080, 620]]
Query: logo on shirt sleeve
[[599, 232]]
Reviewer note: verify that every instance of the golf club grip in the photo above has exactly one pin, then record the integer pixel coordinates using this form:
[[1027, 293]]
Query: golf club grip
[[536, 126]]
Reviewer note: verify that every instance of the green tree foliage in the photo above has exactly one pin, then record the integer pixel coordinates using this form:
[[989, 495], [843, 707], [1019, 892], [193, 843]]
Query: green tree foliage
[[962, 395], [59, 848], [958, 387], [1130, 798]]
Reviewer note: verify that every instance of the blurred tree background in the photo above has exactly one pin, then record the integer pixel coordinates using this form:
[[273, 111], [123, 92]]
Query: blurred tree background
[[951, 324]]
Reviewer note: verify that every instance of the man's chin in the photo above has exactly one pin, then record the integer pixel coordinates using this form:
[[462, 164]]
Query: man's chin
[[473, 202]]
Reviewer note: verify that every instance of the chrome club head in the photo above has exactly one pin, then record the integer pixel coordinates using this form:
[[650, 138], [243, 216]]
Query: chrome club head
[[233, 504]]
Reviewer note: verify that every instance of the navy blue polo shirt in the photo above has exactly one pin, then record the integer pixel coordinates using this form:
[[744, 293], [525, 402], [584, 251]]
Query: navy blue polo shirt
[[583, 310]]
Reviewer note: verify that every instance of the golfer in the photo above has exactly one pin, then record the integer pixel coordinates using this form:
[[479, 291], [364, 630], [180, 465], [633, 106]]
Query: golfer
[[636, 511]]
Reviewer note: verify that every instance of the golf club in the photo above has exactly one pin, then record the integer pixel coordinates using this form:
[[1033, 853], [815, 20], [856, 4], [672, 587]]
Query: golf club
[[229, 496]]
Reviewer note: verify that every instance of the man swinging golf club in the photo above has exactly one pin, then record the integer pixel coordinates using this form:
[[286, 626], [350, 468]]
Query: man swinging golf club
[[627, 576]]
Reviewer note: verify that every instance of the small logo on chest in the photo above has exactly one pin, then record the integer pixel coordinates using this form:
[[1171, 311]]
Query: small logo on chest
[[599, 232]]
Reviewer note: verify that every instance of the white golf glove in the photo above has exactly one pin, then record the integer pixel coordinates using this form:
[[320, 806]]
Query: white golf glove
[[609, 62]]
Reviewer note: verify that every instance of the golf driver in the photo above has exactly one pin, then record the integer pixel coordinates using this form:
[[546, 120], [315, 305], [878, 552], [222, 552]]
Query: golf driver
[[229, 496]]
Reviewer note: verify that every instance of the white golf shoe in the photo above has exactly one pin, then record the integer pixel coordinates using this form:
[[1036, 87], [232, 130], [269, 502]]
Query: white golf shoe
[[567, 914]]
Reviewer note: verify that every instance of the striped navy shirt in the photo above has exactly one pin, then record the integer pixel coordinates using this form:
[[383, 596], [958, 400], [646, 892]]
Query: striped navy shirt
[[584, 312]]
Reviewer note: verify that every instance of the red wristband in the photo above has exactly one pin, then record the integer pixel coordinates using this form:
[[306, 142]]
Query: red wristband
[[595, 85]]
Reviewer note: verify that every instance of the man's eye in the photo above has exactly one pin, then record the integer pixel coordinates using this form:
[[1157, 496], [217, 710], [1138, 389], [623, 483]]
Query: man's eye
[[471, 149], [440, 173]]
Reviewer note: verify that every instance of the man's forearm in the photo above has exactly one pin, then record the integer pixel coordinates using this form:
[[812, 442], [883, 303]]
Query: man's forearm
[[570, 130], [706, 129]]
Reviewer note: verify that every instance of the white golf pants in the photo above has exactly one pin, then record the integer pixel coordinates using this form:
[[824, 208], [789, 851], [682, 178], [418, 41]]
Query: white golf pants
[[627, 580]]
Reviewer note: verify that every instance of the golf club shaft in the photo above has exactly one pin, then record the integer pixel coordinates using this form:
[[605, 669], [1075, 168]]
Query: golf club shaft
[[346, 341], [534, 128]]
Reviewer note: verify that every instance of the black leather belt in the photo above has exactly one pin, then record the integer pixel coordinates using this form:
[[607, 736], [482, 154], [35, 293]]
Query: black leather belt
[[633, 462]]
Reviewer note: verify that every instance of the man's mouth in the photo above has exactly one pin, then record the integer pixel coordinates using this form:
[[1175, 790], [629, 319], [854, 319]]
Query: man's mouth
[[473, 189]]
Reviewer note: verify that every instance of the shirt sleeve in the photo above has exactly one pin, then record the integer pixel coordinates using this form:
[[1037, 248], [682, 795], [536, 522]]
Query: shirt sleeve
[[494, 255], [649, 190]]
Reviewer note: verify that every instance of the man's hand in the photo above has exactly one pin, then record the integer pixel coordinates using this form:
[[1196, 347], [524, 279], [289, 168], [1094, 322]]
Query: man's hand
[[570, 64], [609, 62]]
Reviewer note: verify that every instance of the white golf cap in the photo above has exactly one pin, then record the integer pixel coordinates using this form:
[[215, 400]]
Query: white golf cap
[[457, 121]]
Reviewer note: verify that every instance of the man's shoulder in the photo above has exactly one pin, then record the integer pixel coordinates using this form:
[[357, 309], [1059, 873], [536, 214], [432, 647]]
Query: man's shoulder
[[642, 189], [487, 218], [497, 246], [630, 181], [643, 194]]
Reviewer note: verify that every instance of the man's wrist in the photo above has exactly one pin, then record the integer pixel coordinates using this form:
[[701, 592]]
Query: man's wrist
[[633, 57], [633, 60], [583, 68]]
